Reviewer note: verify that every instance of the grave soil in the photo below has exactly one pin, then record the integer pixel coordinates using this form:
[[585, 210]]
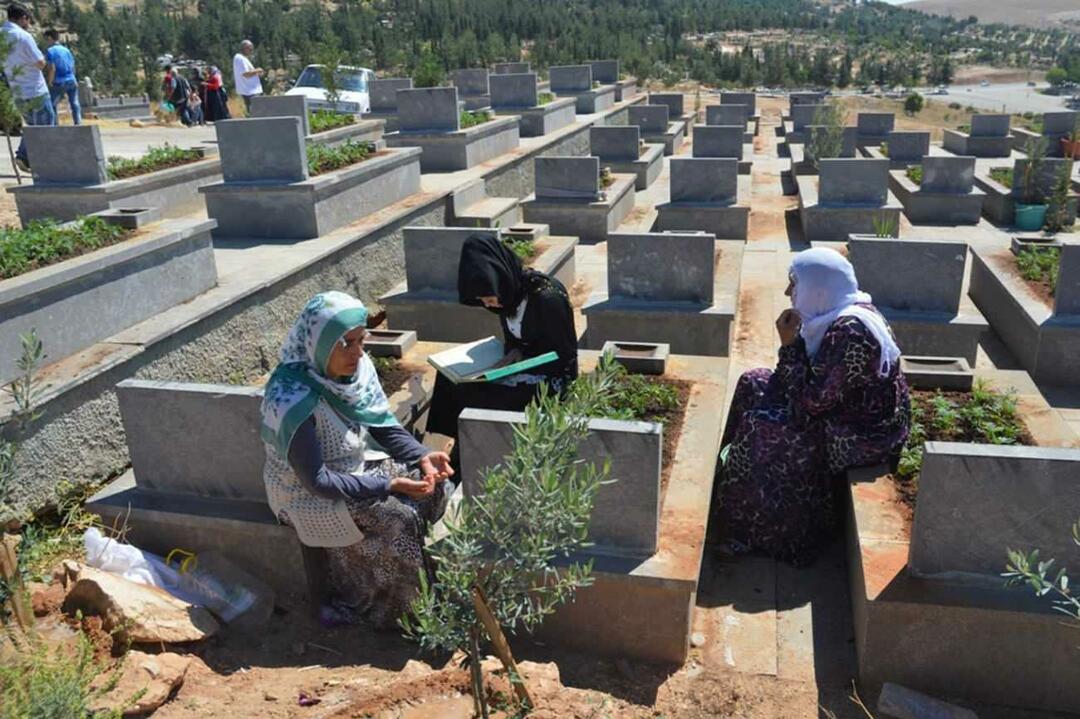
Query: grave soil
[[1040, 289], [372, 156], [393, 373], [156, 167]]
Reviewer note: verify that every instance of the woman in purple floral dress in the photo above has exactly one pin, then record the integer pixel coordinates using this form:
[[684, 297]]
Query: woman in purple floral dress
[[837, 399]]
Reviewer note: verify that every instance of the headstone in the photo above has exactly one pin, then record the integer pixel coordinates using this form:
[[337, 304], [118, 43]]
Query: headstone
[[266, 149], [66, 155], [951, 175], [740, 98], [726, 114], [661, 267], [511, 68], [910, 274], [615, 142], [514, 90], [429, 109], [282, 106], [875, 123], [976, 500], [704, 179], [908, 146], [719, 141], [473, 81], [605, 72], [674, 101], [432, 255], [86, 94], [806, 98], [853, 181], [382, 94], [1067, 291], [803, 115], [567, 178], [650, 118], [1045, 177], [570, 78], [1059, 123], [989, 125]]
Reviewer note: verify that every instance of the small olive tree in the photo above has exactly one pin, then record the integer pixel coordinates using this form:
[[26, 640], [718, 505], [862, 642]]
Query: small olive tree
[[531, 511], [826, 134], [1028, 569]]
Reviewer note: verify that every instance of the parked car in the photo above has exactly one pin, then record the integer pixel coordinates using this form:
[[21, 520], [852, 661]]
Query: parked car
[[352, 86], [984, 83]]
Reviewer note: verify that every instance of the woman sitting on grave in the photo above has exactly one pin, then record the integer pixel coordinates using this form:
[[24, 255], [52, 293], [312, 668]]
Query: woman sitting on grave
[[342, 471], [536, 317], [837, 399]]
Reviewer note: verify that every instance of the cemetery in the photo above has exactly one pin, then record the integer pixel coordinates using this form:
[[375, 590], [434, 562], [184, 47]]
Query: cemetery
[[518, 94], [297, 106], [724, 141], [1007, 189], [621, 148], [657, 127], [873, 128], [577, 81], [676, 104], [1056, 127], [850, 196], [574, 200], [945, 193], [606, 72], [473, 87], [747, 100], [731, 115], [903, 149], [989, 136]]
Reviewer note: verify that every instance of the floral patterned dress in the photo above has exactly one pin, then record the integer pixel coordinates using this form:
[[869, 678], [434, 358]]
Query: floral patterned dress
[[791, 434]]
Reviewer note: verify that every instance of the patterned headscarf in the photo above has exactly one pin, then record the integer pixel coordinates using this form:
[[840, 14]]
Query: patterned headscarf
[[300, 380]]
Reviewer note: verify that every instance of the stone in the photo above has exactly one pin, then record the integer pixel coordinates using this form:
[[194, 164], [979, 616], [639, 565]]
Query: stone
[[541, 677], [66, 155], [977, 500], [908, 146], [1067, 290], [136, 612], [511, 68], [726, 114], [1059, 123], [719, 141], [615, 142], [432, 255], [674, 101], [389, 343], [705, 196], [154, 678], [570, 78], [282, 106], [806, 98], [267, 149], [903, 703], [931, 373], [650, 118], [853, 181], [382, 94], [875, 124], [704, 179], [429, 109], [803, 115], [989, 125], [513, 90], [697, 639], [950, 175], [639, 357], [473, 81], [910, 274], [567, 178], [740, 98], [605, 72], [661, 267]]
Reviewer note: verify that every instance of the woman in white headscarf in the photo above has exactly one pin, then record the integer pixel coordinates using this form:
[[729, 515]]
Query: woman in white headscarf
[[837, 399]]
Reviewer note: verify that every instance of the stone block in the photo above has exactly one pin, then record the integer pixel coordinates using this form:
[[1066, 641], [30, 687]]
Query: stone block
[[950, 175], [267, 149], [650, 118], [429, 109], [989, 125], [383, 93], [910, 274], [540, 120], [704, 179], [935, 207], [727, 114], [674, 100], [432, 255], [1059, 123], [451, 150], [908, 146], [740, 98], [66, 155], [282, 106], [513, 90], [1067, 292], [615, 142], [677, 267], [626, 513], [719, 141], [875, 123], [976, 500], [806, 98], [578, 216], [903, 703], [952, 374], [389, 343], [567, 178], [605, 72], [570, 78], [511, 68], [853, 181], [803, 115], [639, 357], [473, 81]]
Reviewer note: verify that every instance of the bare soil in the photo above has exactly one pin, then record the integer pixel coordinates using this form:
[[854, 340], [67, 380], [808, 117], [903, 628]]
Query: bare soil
[[394, 374], [673, 423]]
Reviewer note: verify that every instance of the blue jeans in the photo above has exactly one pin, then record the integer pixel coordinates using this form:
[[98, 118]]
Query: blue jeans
[[71, 89], [35, 111]]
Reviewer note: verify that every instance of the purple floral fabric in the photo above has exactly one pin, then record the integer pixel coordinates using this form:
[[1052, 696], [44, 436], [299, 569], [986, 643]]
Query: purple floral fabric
[[791, 434]]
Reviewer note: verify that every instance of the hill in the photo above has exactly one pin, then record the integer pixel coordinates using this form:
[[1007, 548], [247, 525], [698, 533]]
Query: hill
[[1035, 13]]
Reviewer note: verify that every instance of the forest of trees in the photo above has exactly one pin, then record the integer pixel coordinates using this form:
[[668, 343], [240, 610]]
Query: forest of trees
[[859, 43]]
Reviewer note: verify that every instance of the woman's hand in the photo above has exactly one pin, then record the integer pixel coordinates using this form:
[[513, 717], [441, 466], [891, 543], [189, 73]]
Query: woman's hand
[[416, 489], [788, 325], [514, 355], [436, 466]]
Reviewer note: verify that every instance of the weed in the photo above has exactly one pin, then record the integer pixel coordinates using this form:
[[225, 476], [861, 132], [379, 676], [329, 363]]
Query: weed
[[1040, 264], [637, 397], [606, 178], [156, 158], [45, 242], [885, 226], [885, 149], [470, 118], [325, 120], [523, 247], [914, 173], [322, 158], [544, 98]]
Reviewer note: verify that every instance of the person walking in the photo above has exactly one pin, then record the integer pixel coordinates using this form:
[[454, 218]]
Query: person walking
[[60, 74], [216, 102], [246, 76], [23, 65], [178, 93]]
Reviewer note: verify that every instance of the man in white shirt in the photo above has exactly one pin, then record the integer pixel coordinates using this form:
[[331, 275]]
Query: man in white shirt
[[23, 63], [245, 75]]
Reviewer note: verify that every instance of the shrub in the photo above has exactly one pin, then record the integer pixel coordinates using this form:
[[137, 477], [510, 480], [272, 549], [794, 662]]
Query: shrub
[[324, 120], [474, 118], [914, 173], [1057, 215], [827, 137], [544, 98], [913, 103], [322, 158], [156, 158], [1035, 149], [1040, 264], [428, 71], [45, 242], [955, 106], [1040, 576], [1002, 175]]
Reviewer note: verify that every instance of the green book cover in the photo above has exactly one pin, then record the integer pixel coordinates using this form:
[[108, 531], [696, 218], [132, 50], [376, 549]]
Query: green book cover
[[492, 375]]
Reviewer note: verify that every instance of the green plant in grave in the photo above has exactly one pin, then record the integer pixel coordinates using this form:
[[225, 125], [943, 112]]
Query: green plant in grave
[[324, 120], [827, 134], [1002, 175], [1057, 215], [885, 226], [1026, 568], [1035, 149], [885, 149], [915, 173], [45, 242], [1040, 264], [323, 158], [544, 98], [472, 118], [156, 158]]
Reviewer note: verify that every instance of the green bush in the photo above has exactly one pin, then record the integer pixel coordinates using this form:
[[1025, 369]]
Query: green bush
[[470, 118], [523, 247], [322, 158], [1040, 264], [324, 120], [45, 242], [156, 158], [913, 103], [544, 98], [914, 174]]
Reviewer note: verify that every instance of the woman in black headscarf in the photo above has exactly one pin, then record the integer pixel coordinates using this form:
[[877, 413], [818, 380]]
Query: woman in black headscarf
[[536, 317]]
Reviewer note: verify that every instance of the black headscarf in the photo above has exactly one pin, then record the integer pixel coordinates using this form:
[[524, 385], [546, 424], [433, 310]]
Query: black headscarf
[[488, 268]]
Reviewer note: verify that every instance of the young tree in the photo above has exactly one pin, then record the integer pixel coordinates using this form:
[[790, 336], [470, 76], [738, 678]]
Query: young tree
[[913, 103], [826, 134]]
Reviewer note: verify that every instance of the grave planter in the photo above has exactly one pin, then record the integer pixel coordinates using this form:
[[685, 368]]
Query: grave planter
[[315, 206], [360, 131], [705, 197], [848, 197], [597, 99], [589, 221], [83, 300], [639, 357], [1070, 148], [947, 195], [450, 150], [1029, 217], [540, 120]]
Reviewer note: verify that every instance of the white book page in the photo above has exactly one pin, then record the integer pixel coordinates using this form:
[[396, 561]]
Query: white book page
[[469, 360]]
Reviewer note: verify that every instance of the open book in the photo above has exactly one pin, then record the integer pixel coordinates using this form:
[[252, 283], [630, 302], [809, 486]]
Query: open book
[[475, 362]]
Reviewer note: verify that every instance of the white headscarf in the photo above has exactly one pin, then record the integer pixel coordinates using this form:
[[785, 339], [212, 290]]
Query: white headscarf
[[825, 290]]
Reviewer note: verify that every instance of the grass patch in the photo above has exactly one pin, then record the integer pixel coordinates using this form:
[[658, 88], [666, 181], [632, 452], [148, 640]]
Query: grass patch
[[544, 98], [322, 159], [326, 120], [1002, 176], [914, 173], [472, 118], [156, 158], [1040, 265], [46, 242], [984, 416]]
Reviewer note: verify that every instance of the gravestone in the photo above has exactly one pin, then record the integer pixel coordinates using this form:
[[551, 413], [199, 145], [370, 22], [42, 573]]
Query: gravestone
[[282, 106], [910, 274], [908, 146], [705, 197], [740, 98], [615, 142], [704, 179], [432, 255], [382, 94], [567, 178], [989, 125], [726, 114], [674, 101], [1067, 290], [514, 90], [853, 182], [66, 155], [805, 98], [803, 115], [1045, 177], [661, 267], [1059, 123], [875, 124], [950, 175], [511, 68], [268, 149], [650, 118], [473, 81], [605, 72], [429, 109], [570, 78], [719, 141]]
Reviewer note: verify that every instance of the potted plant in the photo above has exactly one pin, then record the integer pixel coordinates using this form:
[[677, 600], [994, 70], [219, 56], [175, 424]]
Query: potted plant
[[1070, 144], [1031, 205]]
